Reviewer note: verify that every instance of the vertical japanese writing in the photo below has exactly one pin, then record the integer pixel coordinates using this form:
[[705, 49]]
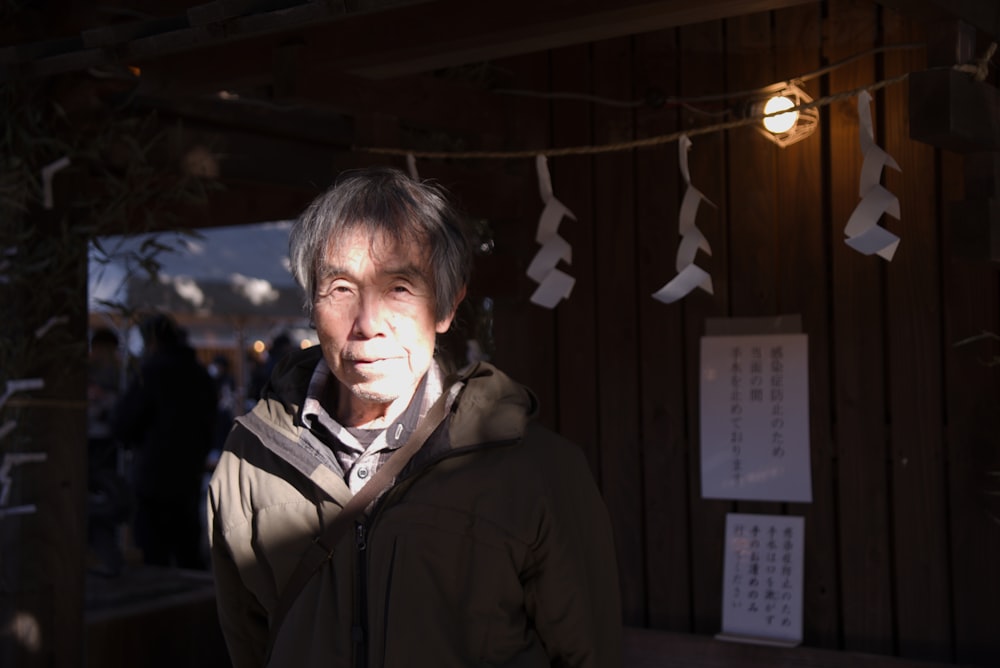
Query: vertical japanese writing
[[777, 383], [740, 562], [787, 588], [753, 583], [771, 576], [736, 413], [756, 375]]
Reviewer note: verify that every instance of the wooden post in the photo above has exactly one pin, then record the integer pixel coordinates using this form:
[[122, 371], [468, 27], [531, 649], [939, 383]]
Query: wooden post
[[43, 476]]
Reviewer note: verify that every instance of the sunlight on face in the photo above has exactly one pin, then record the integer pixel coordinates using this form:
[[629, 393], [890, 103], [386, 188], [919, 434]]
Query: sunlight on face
[[374, 313]]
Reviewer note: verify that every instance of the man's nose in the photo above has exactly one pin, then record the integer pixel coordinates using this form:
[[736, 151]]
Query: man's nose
[[370, 319]]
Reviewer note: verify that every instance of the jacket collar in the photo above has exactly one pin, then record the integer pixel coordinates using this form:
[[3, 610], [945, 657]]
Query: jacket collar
[[491, 407]]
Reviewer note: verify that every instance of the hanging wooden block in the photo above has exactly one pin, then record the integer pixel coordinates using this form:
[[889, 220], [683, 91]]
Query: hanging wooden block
[[950, 110]]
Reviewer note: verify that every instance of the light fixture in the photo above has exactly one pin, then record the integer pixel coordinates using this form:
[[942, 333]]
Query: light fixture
[[789, 127]]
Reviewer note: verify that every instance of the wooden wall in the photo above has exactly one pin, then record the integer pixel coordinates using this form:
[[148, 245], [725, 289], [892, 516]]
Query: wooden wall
[[902, 551]]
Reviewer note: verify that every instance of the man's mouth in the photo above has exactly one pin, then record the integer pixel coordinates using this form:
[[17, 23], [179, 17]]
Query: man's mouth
[[362, 361]]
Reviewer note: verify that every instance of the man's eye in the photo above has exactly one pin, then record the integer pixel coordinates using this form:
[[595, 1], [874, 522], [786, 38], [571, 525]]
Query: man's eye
[[336, 290]]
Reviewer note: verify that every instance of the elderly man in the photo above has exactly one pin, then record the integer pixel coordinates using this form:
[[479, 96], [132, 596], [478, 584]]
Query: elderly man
[[372, 510]]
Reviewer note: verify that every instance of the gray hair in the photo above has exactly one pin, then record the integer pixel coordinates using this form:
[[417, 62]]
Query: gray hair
[[385, 201]]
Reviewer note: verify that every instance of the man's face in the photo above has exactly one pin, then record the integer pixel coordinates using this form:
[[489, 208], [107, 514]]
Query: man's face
[[374, 315]]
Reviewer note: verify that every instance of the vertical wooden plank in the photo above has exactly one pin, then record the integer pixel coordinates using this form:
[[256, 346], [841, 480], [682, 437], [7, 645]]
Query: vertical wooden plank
[[661, 345], [751, 180], [525, 333], [919, 502], [614, 213], [972, 294], [701, 73], [576, 317], [752, 184], [858, 355], [803, 287]]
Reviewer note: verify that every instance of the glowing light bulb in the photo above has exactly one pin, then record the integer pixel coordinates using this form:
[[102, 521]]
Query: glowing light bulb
[[781, 122]]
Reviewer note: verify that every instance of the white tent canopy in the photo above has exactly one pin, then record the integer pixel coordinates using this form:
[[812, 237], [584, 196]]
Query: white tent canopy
[[222, 284]]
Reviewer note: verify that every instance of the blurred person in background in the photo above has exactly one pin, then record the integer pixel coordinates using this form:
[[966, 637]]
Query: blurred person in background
[[167, 416], [109, 495]]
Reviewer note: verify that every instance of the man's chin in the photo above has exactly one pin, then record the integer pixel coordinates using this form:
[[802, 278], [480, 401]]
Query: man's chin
[[375, 392]]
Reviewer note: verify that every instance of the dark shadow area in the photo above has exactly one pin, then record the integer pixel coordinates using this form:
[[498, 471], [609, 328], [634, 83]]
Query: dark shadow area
[[149, 617]]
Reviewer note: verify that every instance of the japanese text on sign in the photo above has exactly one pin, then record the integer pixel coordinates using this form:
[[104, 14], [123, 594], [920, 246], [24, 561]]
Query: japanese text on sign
[[762, 599], [755, 418]]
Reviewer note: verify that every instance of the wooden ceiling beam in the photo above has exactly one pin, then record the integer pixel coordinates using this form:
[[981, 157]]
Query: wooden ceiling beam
[[449, 33], [304, 124], [982, 14], [123, 42], [383, 38], [422, 37]]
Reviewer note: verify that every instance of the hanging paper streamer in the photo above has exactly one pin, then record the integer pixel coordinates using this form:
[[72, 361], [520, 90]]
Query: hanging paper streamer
[[553, 284], [20, 386], [48, 172], [11, 460], [49, 324], [863, 232], [411, 166], [689, 275]]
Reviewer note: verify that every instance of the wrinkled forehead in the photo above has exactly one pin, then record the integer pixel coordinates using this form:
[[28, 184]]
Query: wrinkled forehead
[[381, 243]]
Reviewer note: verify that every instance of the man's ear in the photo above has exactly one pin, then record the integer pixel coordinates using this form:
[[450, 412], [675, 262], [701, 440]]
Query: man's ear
[[442, 326]]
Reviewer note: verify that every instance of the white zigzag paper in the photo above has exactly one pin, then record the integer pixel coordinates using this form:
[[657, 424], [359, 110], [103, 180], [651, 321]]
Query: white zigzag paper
[[862, 230], [554, 284], [689, 276]]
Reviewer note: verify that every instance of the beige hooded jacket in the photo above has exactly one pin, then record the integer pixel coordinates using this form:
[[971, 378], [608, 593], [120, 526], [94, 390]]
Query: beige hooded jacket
[[493, 548]]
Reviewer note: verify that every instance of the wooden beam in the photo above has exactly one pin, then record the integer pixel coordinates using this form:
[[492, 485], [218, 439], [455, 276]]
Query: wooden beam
[[983, 14], [286, 81], [448, 33], [286, 120], [422, 101], [213, 24], [407, 37]]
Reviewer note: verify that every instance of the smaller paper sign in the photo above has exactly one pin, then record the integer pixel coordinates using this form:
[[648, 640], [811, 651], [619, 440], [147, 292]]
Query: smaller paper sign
[[762, 586]]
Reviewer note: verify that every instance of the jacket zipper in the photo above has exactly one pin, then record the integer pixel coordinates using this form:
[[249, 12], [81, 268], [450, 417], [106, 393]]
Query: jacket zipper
[[360, 630]]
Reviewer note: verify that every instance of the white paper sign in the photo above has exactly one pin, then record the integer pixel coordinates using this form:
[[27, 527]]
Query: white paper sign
[[762, 586], [755, 418]]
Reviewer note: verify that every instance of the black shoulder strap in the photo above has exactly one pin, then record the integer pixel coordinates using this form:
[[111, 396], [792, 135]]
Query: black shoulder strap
[[323, 545]]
